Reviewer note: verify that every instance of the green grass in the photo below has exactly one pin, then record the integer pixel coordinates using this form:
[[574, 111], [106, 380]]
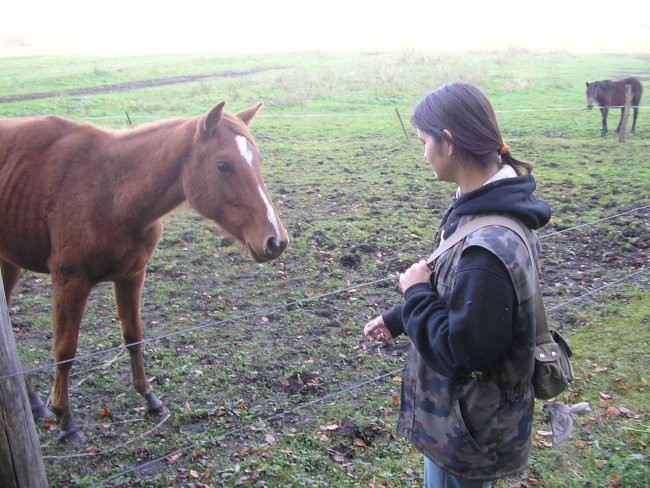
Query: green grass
[[263, 367]]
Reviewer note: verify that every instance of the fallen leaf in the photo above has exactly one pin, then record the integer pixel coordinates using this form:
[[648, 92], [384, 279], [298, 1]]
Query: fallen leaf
[[339, 458], [172, 458], [360, 442], [194, 474], [269, 439], [545, 433], [611, 412]]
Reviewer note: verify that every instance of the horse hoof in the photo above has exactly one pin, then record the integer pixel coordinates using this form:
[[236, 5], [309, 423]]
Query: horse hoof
[[154, 406], [76, 438], [41, 412]]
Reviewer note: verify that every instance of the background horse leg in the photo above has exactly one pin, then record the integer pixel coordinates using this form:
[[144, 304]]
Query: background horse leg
[[636, 112], [69, 296], [10, 275], [620, 122], [127, 298], [604, 111]]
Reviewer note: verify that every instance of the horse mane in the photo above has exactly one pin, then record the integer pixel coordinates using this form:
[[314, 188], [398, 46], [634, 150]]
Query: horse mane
[[237, 125], [231, 122]]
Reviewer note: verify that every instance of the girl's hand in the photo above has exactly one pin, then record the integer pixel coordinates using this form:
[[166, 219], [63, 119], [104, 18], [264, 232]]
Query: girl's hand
[[376, 330], [417, 273]]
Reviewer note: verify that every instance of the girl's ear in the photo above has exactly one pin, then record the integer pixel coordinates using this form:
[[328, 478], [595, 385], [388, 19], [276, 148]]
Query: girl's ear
[[449, 139]]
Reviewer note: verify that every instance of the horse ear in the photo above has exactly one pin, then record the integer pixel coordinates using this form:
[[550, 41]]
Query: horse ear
[[587, 84], [250, 113], [209, 120]]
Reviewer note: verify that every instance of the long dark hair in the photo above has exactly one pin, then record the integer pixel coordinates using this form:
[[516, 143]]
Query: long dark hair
[[464, 110]]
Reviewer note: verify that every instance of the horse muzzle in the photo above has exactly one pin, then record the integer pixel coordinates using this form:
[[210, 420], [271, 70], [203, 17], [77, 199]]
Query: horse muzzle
[[273, 249]]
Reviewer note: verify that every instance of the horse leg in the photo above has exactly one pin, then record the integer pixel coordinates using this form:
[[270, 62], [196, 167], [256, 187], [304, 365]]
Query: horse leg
[[127, 299], [10, 275], [69, 296], [604, 112], [636, 112], [620, 122]]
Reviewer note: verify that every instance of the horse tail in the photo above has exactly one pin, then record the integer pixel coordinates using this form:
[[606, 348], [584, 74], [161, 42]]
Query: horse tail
[[637, 91]]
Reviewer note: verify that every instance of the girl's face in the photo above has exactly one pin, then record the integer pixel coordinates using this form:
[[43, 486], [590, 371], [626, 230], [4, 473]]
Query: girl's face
[[437, 154]]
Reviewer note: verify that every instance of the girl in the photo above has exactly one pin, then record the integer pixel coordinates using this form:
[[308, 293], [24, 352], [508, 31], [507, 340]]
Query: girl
[[467, 399]]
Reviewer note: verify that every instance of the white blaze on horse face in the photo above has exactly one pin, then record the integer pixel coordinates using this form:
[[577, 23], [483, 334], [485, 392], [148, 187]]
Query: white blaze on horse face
[[247, 154]]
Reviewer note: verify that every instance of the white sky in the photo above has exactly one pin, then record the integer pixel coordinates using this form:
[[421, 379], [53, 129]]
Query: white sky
[[146, 26]]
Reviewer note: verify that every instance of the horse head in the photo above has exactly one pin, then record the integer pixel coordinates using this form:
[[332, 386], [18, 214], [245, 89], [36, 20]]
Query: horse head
[[595, 93], [222, 180], [590, 94]]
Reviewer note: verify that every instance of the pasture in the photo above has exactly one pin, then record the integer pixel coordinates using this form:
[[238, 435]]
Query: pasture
[[264, 368]]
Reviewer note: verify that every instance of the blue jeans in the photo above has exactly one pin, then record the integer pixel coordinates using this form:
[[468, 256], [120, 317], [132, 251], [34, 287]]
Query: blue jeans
[[434, 477]]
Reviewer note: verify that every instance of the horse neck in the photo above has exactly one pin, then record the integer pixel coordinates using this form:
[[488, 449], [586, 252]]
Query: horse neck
[[152, 159]]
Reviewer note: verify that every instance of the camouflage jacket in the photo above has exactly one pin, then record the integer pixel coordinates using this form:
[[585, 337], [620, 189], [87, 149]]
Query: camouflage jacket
[[478, 428]]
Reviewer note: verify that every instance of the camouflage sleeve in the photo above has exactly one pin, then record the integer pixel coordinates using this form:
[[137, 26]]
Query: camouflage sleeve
[[475, 329]]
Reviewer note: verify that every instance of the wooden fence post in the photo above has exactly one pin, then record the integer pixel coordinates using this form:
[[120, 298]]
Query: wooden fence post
[[21, 461], [626, 112]]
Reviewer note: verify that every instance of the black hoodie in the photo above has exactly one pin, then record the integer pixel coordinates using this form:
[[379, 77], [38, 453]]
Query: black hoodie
[[473, 340]]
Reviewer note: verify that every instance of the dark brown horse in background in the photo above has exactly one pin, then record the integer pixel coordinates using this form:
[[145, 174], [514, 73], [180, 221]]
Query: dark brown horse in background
[[84, 204], [608, 93]]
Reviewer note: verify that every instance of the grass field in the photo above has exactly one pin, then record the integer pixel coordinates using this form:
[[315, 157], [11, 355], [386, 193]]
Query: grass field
[[264, 368]]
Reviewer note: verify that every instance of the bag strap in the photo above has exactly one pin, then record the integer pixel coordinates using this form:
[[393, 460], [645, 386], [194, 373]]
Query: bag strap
[[541, 324]]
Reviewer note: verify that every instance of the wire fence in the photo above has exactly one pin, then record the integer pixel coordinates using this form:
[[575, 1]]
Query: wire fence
[[127, 116], [282, 306]]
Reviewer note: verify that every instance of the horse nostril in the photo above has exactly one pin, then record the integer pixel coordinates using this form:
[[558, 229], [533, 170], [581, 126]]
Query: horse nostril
[[272, 247]]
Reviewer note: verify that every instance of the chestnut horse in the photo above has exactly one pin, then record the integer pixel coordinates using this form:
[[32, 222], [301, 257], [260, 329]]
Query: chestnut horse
[[608, 93], [85, 205]]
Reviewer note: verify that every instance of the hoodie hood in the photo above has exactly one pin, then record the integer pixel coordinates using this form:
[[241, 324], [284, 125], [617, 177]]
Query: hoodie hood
[[510, 196]]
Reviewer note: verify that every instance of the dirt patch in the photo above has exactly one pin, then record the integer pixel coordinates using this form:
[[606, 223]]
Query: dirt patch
[[131, 85]]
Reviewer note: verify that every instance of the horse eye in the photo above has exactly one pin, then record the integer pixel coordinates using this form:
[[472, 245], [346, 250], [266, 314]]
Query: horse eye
[[224, 166]]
